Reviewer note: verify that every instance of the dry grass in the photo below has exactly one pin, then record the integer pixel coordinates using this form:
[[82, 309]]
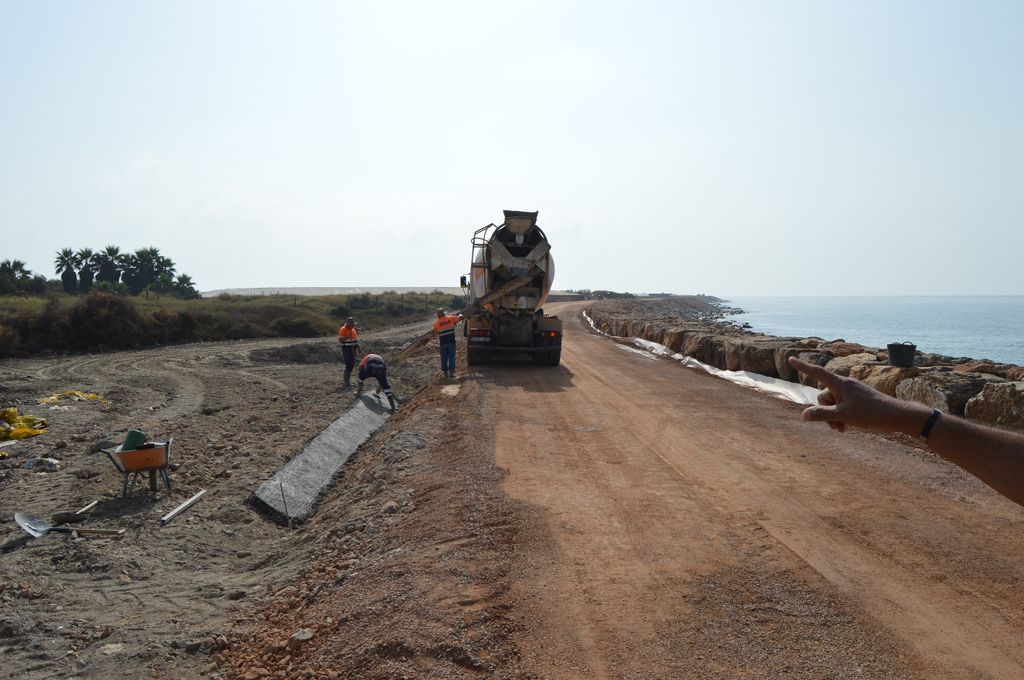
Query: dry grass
[[101, 321]]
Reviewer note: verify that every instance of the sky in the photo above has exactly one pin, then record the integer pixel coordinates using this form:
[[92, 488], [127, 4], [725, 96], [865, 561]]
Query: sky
[[727, 148]]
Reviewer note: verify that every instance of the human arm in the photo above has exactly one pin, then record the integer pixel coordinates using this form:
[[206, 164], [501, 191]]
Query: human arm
[[994, 456]]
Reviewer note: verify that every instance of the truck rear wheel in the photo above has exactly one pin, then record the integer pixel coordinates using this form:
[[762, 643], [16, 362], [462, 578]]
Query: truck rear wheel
[[549, 358], [475, 356]]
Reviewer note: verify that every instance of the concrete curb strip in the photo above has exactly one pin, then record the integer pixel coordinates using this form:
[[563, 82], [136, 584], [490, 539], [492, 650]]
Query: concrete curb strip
[[291, 494]]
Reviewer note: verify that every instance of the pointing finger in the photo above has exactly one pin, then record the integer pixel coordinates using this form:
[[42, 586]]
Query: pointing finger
[[826, 378], [818, 413]]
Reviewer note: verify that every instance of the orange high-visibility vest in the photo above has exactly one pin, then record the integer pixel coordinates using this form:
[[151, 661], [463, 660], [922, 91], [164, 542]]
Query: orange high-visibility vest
[[348, 336], [444, 326]]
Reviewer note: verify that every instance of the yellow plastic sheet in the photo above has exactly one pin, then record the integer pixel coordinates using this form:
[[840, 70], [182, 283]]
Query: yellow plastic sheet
[[14, 425], [74, 395]]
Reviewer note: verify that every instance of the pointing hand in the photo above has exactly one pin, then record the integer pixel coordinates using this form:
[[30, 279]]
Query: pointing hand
[[846, 401]]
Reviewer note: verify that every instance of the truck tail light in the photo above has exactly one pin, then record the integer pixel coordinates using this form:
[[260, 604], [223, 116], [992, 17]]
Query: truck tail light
[[550, 334], [480, 332]]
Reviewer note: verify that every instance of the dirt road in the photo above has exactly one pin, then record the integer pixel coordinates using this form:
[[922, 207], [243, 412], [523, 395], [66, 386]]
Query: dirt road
[[699, 529], [619, 516]]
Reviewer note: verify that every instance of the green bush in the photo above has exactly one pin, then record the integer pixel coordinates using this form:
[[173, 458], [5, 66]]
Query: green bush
[[108, 287], [104, 320], [164, 327], [295, 327], [360, 301], [9, 341], [240, 331]]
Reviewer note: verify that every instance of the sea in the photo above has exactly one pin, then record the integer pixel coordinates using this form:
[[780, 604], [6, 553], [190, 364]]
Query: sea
[[979, 327]]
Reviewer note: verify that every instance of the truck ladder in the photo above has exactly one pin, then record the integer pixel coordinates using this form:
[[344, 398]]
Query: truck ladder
[[504, 290], [479, 303]]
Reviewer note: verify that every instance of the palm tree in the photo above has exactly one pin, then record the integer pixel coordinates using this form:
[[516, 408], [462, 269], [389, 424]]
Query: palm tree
[[65, 265], [8, 279], [129, 264], [137, 270], [15, 276], [108, 264], [185, 287], [164, 282], [87, 269], [144, 267], [20, 270], [164, 265]]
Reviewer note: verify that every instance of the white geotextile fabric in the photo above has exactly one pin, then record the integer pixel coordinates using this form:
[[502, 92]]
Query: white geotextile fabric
[[640, 352], [782, 389]]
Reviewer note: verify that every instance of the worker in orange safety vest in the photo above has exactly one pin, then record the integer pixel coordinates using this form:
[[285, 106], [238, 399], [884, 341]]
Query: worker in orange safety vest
[[349, 339], [444, 327], [373, 366]]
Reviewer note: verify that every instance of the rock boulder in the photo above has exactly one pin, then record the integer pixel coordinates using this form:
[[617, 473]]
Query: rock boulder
[[733, 354], [1000, 404], [842, 365], [759, 356], [1008, 371], [882, 378], [674, 338], [782, 367], [706, 347], [841, 348], [818, 359], [948, 391]]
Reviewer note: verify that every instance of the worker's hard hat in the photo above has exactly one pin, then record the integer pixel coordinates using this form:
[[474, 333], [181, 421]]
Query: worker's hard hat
[[440, 310], [350, 320]]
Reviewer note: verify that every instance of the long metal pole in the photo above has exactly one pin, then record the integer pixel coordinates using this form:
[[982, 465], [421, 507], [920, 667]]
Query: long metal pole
[[181, 508]]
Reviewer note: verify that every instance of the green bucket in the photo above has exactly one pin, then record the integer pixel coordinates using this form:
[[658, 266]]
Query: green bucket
[[133, 440]]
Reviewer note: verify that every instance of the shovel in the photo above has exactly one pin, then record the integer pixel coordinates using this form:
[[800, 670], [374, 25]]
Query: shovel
[[40, 527]]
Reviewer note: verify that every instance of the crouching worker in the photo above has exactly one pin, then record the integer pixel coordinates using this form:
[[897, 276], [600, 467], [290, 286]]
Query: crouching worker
[[372, 366]]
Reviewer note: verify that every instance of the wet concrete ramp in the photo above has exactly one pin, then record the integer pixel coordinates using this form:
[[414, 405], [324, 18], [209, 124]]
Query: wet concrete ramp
[[291, 494]]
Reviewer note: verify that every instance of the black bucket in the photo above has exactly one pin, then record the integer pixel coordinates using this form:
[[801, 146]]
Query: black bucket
[[901, 354]]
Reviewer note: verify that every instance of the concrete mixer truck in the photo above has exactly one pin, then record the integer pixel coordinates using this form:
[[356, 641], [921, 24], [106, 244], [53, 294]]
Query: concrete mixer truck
[[511, 271]]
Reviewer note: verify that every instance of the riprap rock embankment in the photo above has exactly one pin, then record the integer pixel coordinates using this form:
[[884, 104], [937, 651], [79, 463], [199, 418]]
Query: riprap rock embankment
[[984, 391]]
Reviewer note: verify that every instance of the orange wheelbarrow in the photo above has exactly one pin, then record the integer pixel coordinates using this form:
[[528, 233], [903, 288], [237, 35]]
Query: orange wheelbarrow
[[154, 458]]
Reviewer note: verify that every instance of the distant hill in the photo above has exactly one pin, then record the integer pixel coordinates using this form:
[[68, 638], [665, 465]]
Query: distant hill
[[556, 295], [331, 291]]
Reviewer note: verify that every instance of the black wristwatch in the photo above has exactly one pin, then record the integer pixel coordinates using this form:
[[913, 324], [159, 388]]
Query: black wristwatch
[[929, 424]]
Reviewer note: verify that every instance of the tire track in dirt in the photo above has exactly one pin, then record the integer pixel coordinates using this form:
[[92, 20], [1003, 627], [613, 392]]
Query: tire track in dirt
[[167, 376], [689, 483], [984, 644], [180, 583], [597, 522], [67, 369]]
